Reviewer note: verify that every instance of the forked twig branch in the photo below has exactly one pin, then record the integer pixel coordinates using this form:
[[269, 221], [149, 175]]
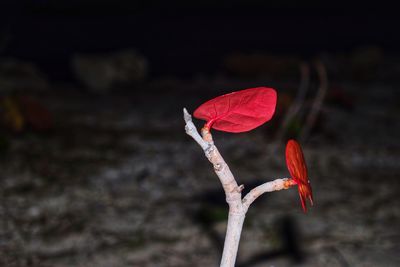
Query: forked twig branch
[[233, 192]]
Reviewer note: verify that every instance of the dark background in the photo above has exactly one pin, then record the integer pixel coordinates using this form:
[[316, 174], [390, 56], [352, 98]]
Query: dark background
[[95, 166], [182, 39]]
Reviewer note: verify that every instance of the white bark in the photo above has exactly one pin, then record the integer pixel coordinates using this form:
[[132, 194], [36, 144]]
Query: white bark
[[237, 206], [232, 238], [276, 185]]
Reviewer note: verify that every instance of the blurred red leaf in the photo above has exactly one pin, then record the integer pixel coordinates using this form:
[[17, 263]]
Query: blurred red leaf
[[298, 170], [239, 111]]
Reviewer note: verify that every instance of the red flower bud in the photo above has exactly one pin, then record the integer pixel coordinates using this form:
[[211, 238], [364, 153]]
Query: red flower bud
[[298, 171]]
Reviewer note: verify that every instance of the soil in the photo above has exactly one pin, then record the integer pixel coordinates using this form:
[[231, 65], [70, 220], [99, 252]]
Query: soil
[[117, 182]]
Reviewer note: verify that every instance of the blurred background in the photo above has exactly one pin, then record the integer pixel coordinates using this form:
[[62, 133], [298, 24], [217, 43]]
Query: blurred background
[[95, 166]]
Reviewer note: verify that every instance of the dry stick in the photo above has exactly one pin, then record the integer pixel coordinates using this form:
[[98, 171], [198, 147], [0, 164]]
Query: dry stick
[[318, 100], [298, 102], [233, 192]]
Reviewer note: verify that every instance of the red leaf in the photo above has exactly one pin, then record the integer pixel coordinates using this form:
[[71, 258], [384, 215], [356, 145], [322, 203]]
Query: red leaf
[[239, 111], [298, 170]]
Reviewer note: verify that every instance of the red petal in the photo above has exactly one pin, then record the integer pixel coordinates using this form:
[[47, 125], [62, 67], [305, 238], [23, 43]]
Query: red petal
[[239, 111], [298, 171]]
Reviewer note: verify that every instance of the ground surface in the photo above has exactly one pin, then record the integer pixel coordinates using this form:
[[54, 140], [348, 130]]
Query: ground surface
[[118, 183]]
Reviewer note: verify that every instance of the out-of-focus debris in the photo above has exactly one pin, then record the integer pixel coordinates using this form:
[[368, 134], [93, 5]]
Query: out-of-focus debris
[[318, 101], [338, 97], [4, 144], [12, 117], [304, 109], [261, 65], [16, 75], [293, 109], [102, 71], [365, 63], [36, 114], [19, 113]]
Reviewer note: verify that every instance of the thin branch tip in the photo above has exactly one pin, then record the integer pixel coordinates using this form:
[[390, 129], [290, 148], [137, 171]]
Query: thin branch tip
[[187, 117]]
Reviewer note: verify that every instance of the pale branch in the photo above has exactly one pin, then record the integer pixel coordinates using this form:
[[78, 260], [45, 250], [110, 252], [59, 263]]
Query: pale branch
[[233, 192], [191, 130], [276, 185], [231, 188]]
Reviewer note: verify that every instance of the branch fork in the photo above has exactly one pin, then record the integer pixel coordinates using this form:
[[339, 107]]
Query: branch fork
[[238, 206]]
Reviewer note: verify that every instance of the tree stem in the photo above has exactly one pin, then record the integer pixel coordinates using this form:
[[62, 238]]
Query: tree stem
[[232, 238], [233, 192]]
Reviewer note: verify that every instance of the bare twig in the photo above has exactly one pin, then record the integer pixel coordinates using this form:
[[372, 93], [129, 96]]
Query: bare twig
[[276, 185], [192, 130], [233, 192]]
